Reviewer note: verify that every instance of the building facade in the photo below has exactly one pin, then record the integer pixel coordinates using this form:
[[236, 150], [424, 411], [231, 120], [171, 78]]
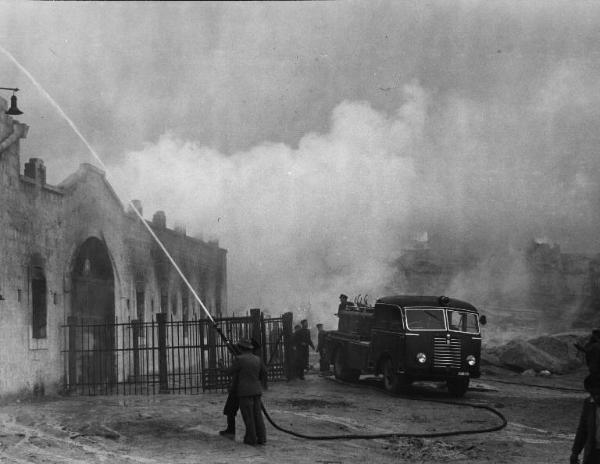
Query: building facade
[[73, 251]]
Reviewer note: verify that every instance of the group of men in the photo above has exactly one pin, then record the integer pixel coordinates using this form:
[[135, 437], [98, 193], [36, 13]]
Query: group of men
[[301, 340], [248, 375]]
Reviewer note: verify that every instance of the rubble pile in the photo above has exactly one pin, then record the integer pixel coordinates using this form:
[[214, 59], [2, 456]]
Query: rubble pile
[[554, 353]]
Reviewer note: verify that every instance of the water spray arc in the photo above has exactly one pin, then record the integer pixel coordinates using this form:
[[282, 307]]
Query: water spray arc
[[229, 343]]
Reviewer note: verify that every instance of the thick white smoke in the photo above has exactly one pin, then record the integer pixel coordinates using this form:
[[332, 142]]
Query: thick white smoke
[[300, 225], [303, 224]]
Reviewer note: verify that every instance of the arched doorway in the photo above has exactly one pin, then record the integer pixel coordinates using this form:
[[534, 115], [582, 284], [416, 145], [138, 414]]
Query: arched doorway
[[93, 313]]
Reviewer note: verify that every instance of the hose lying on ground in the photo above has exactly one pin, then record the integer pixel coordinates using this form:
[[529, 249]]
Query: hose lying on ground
[[547, 387], [355, 436], [503, 421]]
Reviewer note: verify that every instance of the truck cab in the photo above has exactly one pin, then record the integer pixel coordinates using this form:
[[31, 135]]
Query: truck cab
[[407, 338]]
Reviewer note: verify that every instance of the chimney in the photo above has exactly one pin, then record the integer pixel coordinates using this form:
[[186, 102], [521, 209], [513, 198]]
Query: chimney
[[159, 220], [35, 169], [137, 204]]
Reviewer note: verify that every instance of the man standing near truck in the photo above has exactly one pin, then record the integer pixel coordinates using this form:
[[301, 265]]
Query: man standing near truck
[[322, 349], [343, 302], [297, 370], [305, 341]]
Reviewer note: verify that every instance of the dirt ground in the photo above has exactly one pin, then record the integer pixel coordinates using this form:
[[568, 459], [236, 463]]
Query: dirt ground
[[184, 428]]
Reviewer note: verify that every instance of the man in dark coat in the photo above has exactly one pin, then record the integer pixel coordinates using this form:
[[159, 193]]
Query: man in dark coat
[[587, 437], [304, 340], [343, 302], [322, 349], [592, 358], [251, 374], [297, 369], [233, 404]]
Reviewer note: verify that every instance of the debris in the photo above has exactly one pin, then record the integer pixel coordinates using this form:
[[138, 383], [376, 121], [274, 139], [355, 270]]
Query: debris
[[551, 353], [108, 433]]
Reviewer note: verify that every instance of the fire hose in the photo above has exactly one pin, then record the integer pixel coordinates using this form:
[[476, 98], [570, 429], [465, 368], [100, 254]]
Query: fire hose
[[356, 436], [546, 387]]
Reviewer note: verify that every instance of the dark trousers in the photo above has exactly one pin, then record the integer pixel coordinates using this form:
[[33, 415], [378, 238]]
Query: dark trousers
[[593, 458], [231, 405], [299, 367], [300, 361], [250, 407], [323, 361]]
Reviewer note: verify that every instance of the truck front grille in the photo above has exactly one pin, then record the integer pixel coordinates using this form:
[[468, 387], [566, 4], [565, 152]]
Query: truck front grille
[[446, 354]]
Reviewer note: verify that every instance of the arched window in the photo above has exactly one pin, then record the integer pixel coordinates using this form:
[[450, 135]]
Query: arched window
[[39, 303]]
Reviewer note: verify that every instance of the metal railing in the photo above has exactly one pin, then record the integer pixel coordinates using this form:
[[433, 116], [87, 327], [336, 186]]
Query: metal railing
[[166, 356]]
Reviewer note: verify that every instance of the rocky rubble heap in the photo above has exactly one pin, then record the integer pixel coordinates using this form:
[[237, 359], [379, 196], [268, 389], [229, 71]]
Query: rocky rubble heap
[[554, 353]]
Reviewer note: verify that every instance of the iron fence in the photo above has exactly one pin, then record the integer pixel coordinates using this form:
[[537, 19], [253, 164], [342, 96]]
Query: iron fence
[[166, 356]]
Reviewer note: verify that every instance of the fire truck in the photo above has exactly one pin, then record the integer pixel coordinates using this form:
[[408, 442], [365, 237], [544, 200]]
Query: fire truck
[[408, 338]]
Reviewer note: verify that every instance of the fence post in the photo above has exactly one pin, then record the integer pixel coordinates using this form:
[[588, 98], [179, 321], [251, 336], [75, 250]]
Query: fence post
[[255, 330], [72, 380], [212, 358], [288, 321], [263, 336], [136, 325], [161, 319]]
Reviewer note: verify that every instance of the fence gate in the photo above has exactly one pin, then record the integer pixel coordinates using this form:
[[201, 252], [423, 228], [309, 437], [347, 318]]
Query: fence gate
[[167, 356]]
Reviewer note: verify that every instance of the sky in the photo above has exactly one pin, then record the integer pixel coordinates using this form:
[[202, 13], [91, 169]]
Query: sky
[[315, 139]]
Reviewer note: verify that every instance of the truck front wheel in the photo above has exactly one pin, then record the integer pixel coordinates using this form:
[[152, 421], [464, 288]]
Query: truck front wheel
[[458, 386], [394, 382], [340, 370]]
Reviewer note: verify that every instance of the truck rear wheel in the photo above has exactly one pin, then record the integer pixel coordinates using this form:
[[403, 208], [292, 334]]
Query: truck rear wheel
[[341, 370], [458, 386]]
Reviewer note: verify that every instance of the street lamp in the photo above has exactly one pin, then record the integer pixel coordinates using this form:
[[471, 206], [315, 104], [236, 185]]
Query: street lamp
[[13, 110]]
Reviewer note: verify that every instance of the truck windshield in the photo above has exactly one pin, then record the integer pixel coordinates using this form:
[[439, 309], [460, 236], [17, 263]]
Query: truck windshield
[[462, 321], [425, 319]]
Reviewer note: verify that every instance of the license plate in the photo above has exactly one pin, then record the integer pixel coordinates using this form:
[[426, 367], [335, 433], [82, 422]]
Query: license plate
[[463, 373]]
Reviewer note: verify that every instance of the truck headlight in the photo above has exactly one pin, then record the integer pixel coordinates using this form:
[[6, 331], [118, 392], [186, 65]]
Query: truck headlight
[[471, 360], [421, 358]]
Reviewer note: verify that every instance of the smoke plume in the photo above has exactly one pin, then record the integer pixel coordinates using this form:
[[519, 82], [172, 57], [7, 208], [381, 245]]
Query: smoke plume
[[302, 224]]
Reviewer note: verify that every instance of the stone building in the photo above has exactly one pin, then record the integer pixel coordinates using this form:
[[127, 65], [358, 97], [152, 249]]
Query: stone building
[[73, 250]]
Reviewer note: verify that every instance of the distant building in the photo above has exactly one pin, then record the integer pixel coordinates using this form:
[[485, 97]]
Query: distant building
[[72, 250], [538, 280]]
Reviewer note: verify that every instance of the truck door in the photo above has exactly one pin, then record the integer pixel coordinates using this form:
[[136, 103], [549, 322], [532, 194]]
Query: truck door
[[388, 338]]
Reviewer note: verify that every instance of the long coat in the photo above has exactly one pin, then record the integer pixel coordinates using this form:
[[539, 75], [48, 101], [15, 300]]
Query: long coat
[[251, 374], [585, 438]]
